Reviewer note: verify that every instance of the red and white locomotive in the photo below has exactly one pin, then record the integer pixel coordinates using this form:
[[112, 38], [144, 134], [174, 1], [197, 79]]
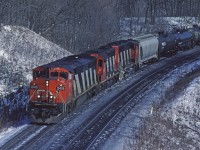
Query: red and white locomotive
[[60, 86]]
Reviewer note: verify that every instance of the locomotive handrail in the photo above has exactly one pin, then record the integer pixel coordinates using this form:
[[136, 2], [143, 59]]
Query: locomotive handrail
[[29, 100]]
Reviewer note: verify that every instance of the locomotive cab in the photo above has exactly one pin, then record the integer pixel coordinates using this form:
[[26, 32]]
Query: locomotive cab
[[47, 84], [49, 91], [100, 63], [59, 86]]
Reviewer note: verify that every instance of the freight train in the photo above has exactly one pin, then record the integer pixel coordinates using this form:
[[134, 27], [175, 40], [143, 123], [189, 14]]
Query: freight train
[[60, 86]]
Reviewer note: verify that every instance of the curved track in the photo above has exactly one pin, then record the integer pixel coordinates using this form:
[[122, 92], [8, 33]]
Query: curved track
[[100, 123], [25, 138], [23, 135], [104, 123]]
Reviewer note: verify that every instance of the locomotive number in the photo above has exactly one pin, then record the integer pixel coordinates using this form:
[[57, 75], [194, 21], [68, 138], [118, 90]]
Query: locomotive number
[[34, 87], [60, 88]]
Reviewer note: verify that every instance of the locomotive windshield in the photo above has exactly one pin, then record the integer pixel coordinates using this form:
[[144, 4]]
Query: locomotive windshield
[[54, 74], [40, 74], [64, 75]]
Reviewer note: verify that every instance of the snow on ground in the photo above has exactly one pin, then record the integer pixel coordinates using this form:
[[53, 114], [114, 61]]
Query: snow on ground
[[78, 117], [187, 102], [9, 133], [182, 21], [29, 138], [161, 23], [131, 124], [2, 88], [23, 49], [3, 54]]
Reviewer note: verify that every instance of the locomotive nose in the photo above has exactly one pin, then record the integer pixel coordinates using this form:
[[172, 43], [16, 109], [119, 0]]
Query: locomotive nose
[[46, 90]]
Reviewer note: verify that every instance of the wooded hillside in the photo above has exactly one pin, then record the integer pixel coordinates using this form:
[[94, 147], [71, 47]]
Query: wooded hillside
[[77, 25]]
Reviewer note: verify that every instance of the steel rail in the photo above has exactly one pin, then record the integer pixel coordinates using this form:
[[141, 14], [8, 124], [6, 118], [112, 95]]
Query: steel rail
[[82, 134]]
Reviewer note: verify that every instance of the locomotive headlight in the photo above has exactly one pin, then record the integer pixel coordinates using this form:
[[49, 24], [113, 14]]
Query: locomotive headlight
[[51, 97], [38, 96], [47, 83]]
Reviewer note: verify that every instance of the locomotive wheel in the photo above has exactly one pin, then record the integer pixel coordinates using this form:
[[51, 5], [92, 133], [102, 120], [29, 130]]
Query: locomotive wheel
[[155, 60], [74, 104], [97, 89], [121, 74], [68, 108], [116, 78], [136, 67], [174, 52], [89, 94]]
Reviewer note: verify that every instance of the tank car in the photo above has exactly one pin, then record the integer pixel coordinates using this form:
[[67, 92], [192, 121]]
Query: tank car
[[184, 39], [167, 44], [196, 34]]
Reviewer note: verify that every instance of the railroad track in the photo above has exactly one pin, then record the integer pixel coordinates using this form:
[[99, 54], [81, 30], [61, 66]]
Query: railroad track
[[106, 121], [19, 138], [34, 138], [29, 136], [86, 135]]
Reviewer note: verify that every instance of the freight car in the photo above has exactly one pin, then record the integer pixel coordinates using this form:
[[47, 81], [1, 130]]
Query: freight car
[[184, 39], [145, 49], [167, 44], [196, 34], [60, 86]]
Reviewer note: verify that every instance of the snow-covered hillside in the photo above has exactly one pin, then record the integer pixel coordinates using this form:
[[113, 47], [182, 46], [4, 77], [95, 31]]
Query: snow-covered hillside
[[21, 50]]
